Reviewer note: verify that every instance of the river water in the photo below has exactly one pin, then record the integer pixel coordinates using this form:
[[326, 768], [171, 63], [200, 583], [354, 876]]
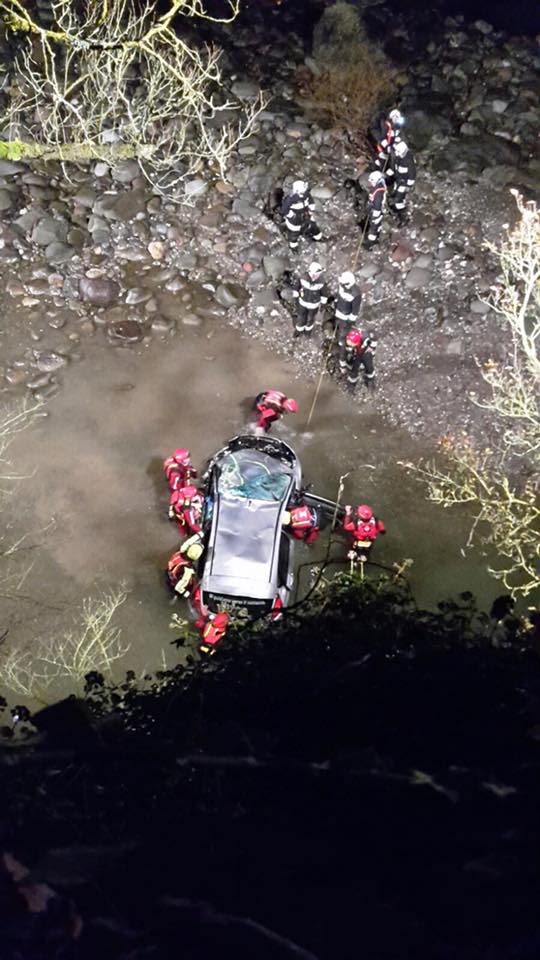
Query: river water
[[97, 502]]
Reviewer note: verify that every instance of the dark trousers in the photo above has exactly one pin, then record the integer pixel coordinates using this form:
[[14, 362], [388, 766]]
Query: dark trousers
[[305, 319]]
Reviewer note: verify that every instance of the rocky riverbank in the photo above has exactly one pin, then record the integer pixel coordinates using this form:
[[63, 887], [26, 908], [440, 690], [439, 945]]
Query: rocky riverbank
[[94, 253]]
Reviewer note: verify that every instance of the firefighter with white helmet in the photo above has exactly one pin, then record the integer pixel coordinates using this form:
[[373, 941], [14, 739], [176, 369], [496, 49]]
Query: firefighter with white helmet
[[297, 212], [311, 293], [404, 167], [375, 209], [347, 305]]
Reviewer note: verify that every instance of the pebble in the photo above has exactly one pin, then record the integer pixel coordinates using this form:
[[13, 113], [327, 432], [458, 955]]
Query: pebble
[[156, 249], [479, 307], [417, 278], [100, 291], [127, 331], [195, 188]]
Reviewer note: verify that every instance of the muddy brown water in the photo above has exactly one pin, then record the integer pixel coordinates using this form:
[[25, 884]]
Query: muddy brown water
[[99, 489]]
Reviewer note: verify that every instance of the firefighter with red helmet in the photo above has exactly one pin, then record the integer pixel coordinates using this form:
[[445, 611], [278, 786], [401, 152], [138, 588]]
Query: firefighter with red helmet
[[179, 469], [180, 568], [358, 351], [303, 522], [185, 506], [363, 527], [213, 628], [271, 405]]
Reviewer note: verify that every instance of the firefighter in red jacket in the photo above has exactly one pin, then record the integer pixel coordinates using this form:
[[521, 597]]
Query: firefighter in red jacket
[[358, 351], [179, 469], [304, 523], [272, 404], [364, 528], [185, 506], [180, 570], [213, 628]]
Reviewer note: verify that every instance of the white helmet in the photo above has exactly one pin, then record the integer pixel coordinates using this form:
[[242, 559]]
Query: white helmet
[[346, 279], [300, 186], [396, 118], [375, 177], [315, 269], [401, 149]]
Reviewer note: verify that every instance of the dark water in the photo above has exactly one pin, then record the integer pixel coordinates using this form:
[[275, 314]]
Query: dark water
[[100, 495]]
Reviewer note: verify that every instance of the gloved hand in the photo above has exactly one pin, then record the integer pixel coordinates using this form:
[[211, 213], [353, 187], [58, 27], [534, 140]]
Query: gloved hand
[[171, 513], [351, 555]]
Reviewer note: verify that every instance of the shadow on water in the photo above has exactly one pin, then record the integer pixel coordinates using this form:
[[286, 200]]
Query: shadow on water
[[98, 474]]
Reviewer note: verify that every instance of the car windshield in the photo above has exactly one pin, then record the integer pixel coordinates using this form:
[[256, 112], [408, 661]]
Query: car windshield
[[252, 475]]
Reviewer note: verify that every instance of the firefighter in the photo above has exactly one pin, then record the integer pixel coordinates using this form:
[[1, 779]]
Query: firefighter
[[304, 523], [386, 132], [297, 209], [185, 506], [347, 306], [179, 469], [363, 528], [375, 209], [358, 351], [272, 404], [312, 293], [404, 180], [180, 570], [213, 628]]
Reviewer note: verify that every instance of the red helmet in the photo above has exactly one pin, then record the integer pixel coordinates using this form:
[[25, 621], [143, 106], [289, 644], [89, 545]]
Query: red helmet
[[354, 338], [182, 456], [290, 405], [364, 512], [220, 620], [187, 493]]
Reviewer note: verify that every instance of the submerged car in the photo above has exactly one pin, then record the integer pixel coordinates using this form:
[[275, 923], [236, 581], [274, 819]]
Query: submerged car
[[247, 565]]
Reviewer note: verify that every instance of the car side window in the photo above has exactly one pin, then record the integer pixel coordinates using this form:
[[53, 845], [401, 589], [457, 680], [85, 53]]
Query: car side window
[[283, 561]]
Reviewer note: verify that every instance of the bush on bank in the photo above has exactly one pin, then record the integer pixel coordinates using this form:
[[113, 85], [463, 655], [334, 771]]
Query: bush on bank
[[359, 780]]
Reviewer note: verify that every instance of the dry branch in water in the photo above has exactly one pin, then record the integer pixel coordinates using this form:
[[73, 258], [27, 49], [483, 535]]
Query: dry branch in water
[[94, 644], [114, 78], [502, 484]]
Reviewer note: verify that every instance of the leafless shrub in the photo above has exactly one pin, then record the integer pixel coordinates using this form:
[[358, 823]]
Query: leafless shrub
[[116, 78], [502, 484]]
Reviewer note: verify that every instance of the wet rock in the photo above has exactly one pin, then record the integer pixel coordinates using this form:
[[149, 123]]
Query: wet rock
[[368, 270], [6, 199], [138, 295], [85, 197], [100, 291], [77, 238], [49, 230], [101, 169], [48, 362], [126, 171], [157, 249], [38, 287], [190, 320], [14, 288], [8, 167], [59, 252], [245, 209], [423, 261], [479, 307], [56, 322], [230, 295], [245, 90], [15, 377], [499, 106], [195, 188], [185, 260], [175, 284], [38, 382], [402, 252], [322, 193], [273, 267], [130, 204], [161, 326], [129, 251], [125, 331], [417, 278]]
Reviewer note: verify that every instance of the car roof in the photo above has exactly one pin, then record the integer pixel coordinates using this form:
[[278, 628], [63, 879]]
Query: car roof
[[244, 554]]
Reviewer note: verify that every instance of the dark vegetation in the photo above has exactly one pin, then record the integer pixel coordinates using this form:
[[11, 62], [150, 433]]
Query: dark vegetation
[[362, 780]]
